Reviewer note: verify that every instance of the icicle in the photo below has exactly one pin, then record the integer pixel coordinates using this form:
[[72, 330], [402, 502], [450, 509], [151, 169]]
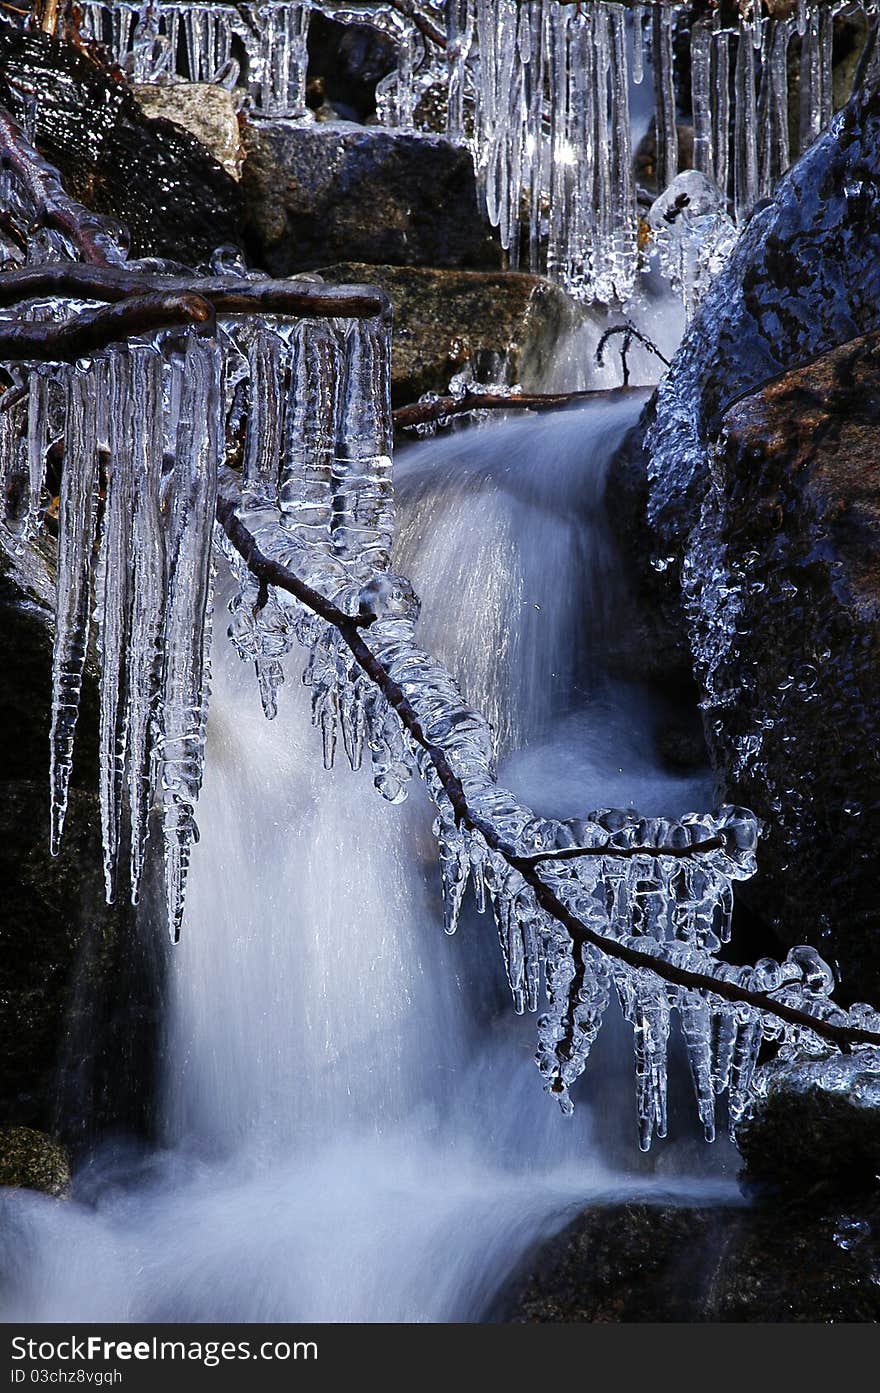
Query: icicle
[[663, 21], [112, 609], [459, 37], [306, 485], [362, 524], [190, 489], [721, 112], [76, 537], [455, 870], [773, 104], [701, 99], [696, 1027], [148, 593], [622, 251], [811, 78], [638, 43], [745, 175]]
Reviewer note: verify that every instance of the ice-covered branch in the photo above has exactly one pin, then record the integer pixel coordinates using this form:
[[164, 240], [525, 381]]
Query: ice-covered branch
[[50, 341], [271, 572], [227, 294]]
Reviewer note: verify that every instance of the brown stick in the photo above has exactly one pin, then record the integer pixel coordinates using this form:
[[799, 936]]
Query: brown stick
[[228, 295], [93, 330], [420, 413], [273, 573]]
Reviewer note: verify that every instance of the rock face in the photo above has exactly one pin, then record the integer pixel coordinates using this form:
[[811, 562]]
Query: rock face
[[79, 1003], [31, 1160], [443, 320], [794, 716], [171, 194], [804, 277], [207, 112], [639, 1262], [764, 501], [334, 191]]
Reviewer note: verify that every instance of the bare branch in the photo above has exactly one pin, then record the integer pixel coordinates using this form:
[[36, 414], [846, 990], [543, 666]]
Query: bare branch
[[228, 295], [273, 573], [420, 413], [93, 330]]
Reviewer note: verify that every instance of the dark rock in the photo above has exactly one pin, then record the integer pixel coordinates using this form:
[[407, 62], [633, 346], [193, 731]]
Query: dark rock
[[331, 192], [794, 720], [653, 645], [804, 277], [171, 194], [348, 61], [502, 322], [81, 981], [31, 1160], [813, 1125], [642, 1263]]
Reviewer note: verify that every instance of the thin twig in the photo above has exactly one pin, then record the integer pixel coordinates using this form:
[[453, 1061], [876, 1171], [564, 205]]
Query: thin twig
[[629, 332], [581, 934]]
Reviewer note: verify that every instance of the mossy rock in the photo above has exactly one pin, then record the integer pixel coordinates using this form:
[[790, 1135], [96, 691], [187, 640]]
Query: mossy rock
[[31, 1160]]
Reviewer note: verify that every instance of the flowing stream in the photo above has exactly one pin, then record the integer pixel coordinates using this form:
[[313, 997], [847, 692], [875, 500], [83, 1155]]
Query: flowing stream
[[354, 1128]]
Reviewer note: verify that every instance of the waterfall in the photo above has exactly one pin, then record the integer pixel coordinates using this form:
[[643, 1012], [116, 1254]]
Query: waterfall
[[354, 1128]]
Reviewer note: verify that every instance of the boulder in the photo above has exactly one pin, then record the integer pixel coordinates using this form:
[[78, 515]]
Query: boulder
[[209, 113], [503, 323], [792, 647], [639, 1262], [151, 175], [813, 1125], [803, 278], [31, 1160], [333, 191]]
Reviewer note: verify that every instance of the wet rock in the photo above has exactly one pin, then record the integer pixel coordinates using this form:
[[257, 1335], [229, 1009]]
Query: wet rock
[[794, 716], [31, 1160], [81, 981], [642, 1263], [504, 323], [803, 278], [813, 1125], [328, 192], [207, 112], [157, 179]]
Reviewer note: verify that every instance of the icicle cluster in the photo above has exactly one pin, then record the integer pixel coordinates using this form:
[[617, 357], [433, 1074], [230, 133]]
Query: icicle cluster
[[543, 93], [138, 427], [261, 46]]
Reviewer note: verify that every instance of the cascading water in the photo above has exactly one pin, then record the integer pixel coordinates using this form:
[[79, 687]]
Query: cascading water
[[354, 1126]]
